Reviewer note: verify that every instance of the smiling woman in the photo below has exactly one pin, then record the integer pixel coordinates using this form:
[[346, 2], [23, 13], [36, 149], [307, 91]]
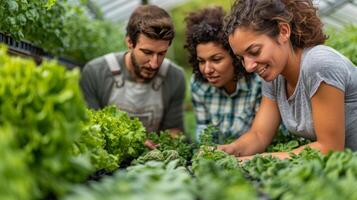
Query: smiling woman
[[282, 42], [223, 94], [255, 51]]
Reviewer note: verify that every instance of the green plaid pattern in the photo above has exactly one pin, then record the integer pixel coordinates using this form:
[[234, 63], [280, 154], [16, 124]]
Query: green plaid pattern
[[231, 114]]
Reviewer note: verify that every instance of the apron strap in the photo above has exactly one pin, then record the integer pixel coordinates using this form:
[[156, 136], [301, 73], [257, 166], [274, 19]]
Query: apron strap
[[159, 79], [115, 68]]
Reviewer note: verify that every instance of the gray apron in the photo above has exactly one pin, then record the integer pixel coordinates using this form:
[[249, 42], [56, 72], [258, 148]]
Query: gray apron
[[141, 100]]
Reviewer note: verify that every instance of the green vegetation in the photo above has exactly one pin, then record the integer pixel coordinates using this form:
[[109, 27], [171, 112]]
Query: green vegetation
[[20, 183], [189, 115], [345, 41], [51, 145], [60, 28], [111, 137], [217, 182], [164, 156], [309, 175], [178, 143], [151, 181], [286, 142], [41, 112]]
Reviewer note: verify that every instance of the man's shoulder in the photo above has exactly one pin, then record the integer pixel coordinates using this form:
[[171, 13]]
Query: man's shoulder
[[174, 71], [95, 66], [96, 62], [174, 82], [175, 68], [100, 61]]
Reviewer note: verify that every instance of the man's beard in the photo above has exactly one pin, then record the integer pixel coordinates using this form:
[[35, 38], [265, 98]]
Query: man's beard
[[137, 69]]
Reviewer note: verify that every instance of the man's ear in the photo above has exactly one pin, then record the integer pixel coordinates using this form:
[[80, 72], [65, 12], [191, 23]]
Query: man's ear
[[129, 43], [284, 32]]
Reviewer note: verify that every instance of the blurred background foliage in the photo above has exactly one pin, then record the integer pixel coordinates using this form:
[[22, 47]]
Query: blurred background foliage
[[344, 40], [60, 28]]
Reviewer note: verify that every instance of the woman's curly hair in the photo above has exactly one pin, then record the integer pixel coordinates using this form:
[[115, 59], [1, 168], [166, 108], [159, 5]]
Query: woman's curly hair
[[205, 26], [264, 16]]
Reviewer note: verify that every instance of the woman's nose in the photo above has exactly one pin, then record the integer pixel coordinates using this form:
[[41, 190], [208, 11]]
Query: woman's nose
[[249, 64], [208, 69]]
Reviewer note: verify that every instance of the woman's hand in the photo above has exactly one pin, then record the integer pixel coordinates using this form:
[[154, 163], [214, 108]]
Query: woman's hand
[[229, 148], [150, 144], [245, 158], [233, 150]]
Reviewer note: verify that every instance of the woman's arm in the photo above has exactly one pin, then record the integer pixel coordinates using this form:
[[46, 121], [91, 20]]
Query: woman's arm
[[264, 127], [328, 115]]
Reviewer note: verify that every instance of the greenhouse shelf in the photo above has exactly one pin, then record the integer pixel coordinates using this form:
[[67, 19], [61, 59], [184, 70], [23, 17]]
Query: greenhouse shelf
[[26, 49]]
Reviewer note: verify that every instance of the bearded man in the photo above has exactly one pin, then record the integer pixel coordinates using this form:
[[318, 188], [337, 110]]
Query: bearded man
[[140, 81]]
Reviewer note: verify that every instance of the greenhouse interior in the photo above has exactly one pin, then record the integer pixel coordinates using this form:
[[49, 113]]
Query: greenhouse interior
[[178, 99]]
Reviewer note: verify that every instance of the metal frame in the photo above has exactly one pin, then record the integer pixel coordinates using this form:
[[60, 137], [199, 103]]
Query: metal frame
[[333, 5], [26, 49], [338, 13], [120, 10]]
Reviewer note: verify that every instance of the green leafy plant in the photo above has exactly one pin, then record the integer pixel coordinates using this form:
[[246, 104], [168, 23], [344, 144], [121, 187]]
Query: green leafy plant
[[111, 137], [60, 28], [165, 156], [43, 107], [151, 181], [311, 175], [178, 143], [20, 182], [286, 142], [214, 182]]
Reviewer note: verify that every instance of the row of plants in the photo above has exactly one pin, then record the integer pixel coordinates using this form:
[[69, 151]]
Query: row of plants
[[49, 140], [211, 174], [60, 28]]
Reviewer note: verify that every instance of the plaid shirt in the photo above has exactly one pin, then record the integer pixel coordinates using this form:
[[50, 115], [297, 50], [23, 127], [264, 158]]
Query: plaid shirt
[[231, 114]]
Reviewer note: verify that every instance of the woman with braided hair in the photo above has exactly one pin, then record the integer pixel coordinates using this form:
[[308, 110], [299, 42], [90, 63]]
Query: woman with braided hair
[[311, 87], [223, 94]]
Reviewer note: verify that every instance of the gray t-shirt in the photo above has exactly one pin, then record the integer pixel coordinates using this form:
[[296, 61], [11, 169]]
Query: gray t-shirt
[[97, 82], [319, 64]]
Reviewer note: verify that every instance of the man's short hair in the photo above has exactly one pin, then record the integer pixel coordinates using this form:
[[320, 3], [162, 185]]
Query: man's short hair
[[152, 21]]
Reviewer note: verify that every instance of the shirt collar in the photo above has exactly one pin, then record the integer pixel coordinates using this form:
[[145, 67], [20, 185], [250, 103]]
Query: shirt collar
[[242, 86]]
